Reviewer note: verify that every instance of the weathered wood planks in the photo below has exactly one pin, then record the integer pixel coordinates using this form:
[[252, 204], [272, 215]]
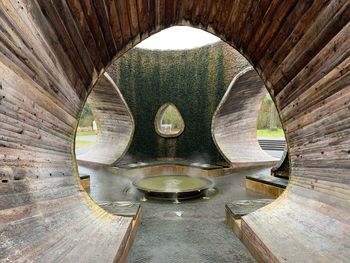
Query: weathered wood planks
[[114, 121], [266, 184], [49, 63], [234, 122]]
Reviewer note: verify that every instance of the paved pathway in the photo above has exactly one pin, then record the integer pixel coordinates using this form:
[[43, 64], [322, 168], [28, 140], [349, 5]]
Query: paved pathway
[[193, 231]]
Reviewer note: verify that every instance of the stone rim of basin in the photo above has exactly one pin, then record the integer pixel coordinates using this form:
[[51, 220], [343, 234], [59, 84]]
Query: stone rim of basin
[[207, 184]]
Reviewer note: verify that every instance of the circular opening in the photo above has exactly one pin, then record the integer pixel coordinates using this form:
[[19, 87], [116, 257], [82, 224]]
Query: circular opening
[[169, 122], [173, 187]]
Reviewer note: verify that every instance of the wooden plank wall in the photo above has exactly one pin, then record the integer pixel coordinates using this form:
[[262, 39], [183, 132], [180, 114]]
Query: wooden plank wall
[[51, 54], [45, 215], [234, 122], [114, 122]]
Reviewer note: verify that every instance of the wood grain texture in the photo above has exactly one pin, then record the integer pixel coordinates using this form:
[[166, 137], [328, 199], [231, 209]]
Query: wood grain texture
[[234, 122], [114, 122], [49, 63], [264, 188]]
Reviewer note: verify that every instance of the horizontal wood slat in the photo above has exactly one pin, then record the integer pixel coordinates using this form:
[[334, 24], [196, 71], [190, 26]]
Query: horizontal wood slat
[[234, 122], [51, 55]]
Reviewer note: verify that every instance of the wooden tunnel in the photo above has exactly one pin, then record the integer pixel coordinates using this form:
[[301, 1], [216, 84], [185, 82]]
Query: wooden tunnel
[[234, 122], [51, 55], [114, 122]]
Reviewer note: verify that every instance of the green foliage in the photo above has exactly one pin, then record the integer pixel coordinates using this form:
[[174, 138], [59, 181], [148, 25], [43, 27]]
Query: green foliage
[[172, 116], [268, 115], [270, 133], [86, 110], [86, 117], [267, 99], [149, 79]]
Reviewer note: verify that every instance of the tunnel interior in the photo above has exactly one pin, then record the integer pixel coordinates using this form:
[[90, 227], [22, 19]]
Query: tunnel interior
[[217, 91], [54, 53]]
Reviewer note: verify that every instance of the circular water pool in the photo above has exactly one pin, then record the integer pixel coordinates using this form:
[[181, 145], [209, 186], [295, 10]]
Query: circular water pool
[[173, 187]]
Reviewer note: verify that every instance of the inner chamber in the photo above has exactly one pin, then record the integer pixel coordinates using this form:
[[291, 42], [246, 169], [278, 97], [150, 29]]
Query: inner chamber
[[188, 114], [52, 53]]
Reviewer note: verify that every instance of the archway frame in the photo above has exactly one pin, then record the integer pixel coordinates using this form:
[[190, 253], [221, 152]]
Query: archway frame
[[158, 119], [115, 124], [233, 125], [299, 48]]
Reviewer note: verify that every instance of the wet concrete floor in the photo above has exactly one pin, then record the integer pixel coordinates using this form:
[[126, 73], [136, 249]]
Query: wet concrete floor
[[192, 231]]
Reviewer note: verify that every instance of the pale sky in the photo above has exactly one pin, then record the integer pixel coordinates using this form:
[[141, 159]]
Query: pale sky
[[178, 37]]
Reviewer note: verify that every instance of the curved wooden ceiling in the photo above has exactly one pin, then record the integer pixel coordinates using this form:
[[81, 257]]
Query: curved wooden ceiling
[[52, 52]]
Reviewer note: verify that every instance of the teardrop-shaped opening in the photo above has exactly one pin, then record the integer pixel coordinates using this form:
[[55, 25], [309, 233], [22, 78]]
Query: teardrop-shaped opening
[[168, 121]]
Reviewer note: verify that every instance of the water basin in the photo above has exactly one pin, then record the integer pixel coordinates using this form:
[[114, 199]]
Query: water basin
[[173, 187]]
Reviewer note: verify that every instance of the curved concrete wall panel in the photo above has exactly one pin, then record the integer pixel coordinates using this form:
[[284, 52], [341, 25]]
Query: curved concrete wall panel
[[51, 54], [235, 122], [114, 121]]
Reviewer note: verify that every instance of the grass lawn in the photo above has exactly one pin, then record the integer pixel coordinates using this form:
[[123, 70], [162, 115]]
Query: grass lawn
[[82, 144], [270, 133], [85, 133]]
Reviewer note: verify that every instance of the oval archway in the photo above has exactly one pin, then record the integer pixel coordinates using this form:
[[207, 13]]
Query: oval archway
[[168, 122], [52, 53], [234, 122], [114, 122]]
